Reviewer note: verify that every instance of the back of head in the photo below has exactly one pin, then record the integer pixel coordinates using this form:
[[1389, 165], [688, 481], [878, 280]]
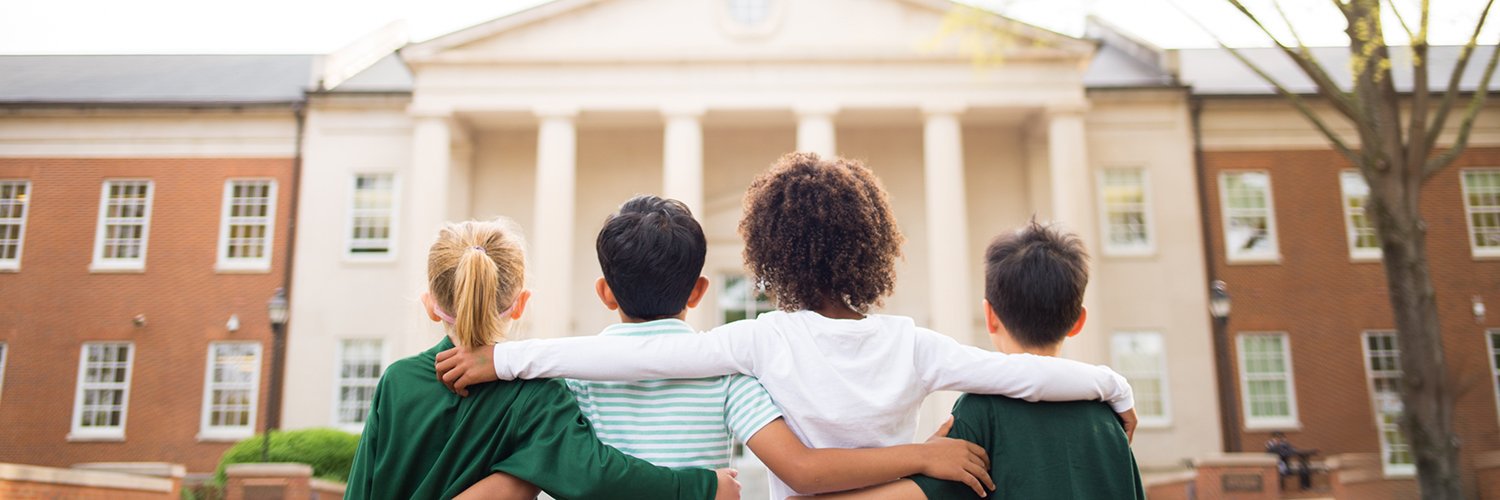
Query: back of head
[[475, 272], [819, 231], [651, 252], [1034, 280]]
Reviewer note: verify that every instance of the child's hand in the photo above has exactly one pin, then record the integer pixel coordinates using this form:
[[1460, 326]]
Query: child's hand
[[956, 460], [460, 368], [1128, 420], [729, 487]]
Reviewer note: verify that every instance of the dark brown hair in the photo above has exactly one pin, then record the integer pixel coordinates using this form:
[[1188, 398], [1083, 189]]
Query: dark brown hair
[[1034, 280], [651, 252], [820, 230]]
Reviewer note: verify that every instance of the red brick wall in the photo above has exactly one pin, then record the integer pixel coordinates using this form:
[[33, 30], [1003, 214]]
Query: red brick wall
[[24, 490], [1324, 302], [54, 304]]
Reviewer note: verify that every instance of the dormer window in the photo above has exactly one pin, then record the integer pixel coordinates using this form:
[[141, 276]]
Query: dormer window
[[749, 13]]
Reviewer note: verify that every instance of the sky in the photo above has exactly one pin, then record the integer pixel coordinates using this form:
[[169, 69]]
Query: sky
[[322, 26]]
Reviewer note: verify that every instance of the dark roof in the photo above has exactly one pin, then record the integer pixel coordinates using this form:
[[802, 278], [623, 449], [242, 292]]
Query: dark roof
[[389, 74], [154, 79], [1217, 72]]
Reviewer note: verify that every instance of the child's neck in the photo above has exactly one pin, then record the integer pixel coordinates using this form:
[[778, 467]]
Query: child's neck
[[839, 311], [681, 316]]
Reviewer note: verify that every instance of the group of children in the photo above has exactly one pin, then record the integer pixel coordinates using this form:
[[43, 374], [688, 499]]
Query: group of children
[[832, 403]]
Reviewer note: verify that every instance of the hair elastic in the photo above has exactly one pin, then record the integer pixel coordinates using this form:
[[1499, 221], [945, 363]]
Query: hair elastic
[[449, 319]]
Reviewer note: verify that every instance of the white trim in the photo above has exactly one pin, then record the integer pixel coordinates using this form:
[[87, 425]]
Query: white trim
[[395, 210], [1389, 469], [263, 264], [1351, 236], [4, 352], [1232, 257], [1463, 188], [99, 264], [206, 430], [80, 433], [1164, 393], [15, 264], [1291, 421], [1493, 350], [338, 381], [1148, 248]]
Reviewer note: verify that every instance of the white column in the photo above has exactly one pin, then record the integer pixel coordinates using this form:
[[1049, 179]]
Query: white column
[[425, 208], [551, 282], [948, 264], [815, 131], [1073, 207], [682, 158]]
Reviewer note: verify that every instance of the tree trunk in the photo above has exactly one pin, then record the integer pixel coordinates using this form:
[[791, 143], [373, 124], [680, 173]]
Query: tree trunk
[[1427, 416]]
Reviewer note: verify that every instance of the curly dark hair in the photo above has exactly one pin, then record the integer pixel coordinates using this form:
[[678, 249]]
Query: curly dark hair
[[820, 230]]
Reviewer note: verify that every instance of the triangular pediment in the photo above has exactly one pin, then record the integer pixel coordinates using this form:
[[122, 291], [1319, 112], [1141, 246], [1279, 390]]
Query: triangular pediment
[[564, 31]]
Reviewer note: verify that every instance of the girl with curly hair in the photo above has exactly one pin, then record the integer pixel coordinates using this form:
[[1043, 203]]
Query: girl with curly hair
[[821, 239]]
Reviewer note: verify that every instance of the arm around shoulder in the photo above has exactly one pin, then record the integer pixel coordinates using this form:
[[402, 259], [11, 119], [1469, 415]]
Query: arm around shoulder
[[946, 365]]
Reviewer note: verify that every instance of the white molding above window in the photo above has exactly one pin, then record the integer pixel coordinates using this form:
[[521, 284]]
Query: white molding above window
[[1239, 237], [1285, 377], [102, 366], [104, 244], [15, 204], [245, 243]]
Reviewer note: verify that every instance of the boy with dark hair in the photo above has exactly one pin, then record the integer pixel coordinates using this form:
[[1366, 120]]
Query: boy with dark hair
[[1033, 294], [651, 253]]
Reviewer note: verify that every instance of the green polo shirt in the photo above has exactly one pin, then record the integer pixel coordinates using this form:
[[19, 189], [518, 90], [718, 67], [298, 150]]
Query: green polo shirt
[[1073, 450], [423, 441]]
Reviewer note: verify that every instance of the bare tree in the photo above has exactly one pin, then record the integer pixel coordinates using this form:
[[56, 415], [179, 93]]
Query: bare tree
[[1397, 153]]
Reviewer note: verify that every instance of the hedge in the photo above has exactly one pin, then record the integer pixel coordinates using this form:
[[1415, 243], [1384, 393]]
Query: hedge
[[330, 452]]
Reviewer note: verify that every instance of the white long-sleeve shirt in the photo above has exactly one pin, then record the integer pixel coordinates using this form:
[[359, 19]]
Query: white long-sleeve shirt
[[840, 383]]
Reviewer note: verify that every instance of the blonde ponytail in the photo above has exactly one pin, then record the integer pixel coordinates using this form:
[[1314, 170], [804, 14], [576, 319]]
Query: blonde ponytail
[[475, 271]]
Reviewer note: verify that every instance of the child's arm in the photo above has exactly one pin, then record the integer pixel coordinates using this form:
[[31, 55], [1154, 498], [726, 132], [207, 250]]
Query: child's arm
[[821, 470], [500, 486], [904, 489], [946, 365], [726, 350]]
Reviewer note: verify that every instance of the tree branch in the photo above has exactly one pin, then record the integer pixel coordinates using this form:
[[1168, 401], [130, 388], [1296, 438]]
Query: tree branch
[[1467, 124], [1304, 60], [1416, 146], [1409, 33], [1440, 119]]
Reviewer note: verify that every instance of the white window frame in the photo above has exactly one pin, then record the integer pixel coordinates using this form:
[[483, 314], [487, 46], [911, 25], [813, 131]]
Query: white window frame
[[4, 352], [262, 264], [1494, 350], [100, 264], [15, 264], [206, 430], [390, 254], [81, 433], [339, 381], [751, 306], [1231, 256], [1376, 410], [1145, 248], [1352, 233], [1463, 181], [1156, 421], [1292, 420]]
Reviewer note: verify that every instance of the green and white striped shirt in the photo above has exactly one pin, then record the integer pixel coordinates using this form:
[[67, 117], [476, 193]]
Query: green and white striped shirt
[[674, 423]]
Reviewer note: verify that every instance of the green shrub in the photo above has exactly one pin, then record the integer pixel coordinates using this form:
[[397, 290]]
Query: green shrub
[[330, 452]]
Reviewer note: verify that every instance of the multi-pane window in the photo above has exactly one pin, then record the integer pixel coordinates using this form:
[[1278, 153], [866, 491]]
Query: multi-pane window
[[1383, 368], [742, 299], [1266, 387], [1124, 203], [1482, 201], [246, 227], [1363, 242], [1249, 218], [13, 198], [360, 363], [124, 223], [1494, 340], [231, 391], [372, 215], [103, 390], [1141, 358]]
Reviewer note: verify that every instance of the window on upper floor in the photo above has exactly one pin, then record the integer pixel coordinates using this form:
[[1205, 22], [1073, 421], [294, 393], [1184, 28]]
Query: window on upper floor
[[1482, 202], [1141, 357], [14, 195], [1125, 205], [1364, 244], [1267, 393], [124, 225], [372, 216], [360, 363], [103, 397], [231, 391], [740, 298], [247, 225], [749, 12], [1383, 370], [1249, 216]]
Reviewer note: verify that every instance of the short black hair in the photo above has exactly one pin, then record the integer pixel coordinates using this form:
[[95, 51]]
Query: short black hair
[[651, 252], [1034, 280]]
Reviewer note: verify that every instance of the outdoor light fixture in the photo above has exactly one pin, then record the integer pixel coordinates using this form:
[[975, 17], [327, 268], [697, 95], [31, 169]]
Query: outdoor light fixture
[[139, 320], [234, 323], [276, 308], [1218, 300], [1478, 309]]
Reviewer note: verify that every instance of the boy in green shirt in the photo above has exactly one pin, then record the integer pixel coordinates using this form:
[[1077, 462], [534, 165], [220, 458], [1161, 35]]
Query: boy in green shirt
[[1034, 282]]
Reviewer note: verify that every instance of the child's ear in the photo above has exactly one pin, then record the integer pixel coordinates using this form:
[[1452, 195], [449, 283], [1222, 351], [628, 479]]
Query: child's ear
[[520, 307], [607, 296], [700, 289], [427, 306], [1083, 315], [991, 321]]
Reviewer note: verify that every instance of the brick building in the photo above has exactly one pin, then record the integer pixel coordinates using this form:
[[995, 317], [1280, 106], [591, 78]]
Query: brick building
[[144, 222], [1310, 338]]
